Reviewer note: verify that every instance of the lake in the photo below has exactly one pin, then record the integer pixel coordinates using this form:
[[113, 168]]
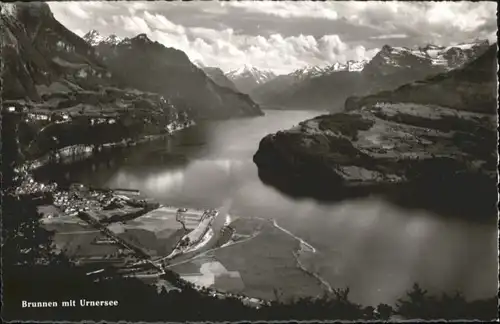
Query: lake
[[376, 249]]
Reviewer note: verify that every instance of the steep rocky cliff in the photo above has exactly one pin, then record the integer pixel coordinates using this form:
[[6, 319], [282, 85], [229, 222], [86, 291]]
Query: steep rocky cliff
[[40, 55], [54, 83], [430, 144]]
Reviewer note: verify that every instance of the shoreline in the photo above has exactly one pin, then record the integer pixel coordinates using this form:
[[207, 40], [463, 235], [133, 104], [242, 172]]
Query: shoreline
[[83, 152]]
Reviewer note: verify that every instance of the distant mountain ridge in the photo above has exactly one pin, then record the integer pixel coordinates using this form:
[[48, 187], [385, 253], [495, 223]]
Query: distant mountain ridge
[[248, 78], [283, 85], [151, 66], [327, 88], [430, 57], [468, 88], [314, 71]]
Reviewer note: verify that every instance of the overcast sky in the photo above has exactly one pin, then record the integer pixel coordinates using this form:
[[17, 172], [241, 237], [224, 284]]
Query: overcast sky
[[283, 36]]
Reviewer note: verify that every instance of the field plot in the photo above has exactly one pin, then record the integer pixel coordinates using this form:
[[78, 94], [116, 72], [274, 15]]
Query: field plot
[[262, 256], [83, 242], [157, 232], [207, 272], [267, 260], [73, 236]]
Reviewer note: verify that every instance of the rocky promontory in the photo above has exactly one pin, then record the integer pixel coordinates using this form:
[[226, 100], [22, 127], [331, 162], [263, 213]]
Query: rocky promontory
[[430, 144]]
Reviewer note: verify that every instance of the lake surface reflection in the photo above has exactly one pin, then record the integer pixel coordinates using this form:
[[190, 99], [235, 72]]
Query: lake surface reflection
[[376, 249]]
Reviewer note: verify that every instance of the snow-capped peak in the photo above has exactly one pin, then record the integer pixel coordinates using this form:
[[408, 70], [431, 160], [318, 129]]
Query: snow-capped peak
[[313, 71], [248, 71], [308, 71], [349, 66], [356, 66], [448, 57], [8, 9], [93, 37], [468, 46], [112, 39]]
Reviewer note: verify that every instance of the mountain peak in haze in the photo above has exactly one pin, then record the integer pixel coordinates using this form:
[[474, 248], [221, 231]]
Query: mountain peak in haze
[[113, 39], [328, 87], [247, 77], [314, 71], [429, 56], [307, 71], [94, 38], [350, 66]]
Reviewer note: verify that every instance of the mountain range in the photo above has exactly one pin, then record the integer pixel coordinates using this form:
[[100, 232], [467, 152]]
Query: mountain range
[[145, 87], [470, 87], [49, 68], [328, 87], [247, 78], [428, 144], [150, 66]]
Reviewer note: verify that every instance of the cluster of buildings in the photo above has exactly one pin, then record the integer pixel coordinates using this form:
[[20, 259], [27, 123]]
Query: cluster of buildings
[[76, 199], [70, 202], [31, 187]]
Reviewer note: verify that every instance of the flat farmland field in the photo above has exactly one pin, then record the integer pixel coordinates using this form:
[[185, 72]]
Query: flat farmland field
[[83, 244], [267, 260], [156, 232]]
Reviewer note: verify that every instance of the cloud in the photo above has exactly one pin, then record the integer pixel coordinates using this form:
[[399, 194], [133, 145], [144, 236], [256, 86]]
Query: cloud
[[283, 36], [443, 22], [78, 11], [135, 25], [464, 16], [162, 23], [288, 9], [389, 36], [228, 50]]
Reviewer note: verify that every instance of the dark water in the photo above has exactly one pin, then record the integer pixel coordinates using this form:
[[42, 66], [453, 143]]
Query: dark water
[[376, 249]]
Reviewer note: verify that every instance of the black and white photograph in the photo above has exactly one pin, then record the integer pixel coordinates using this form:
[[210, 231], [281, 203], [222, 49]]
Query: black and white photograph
[[249, 161]]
